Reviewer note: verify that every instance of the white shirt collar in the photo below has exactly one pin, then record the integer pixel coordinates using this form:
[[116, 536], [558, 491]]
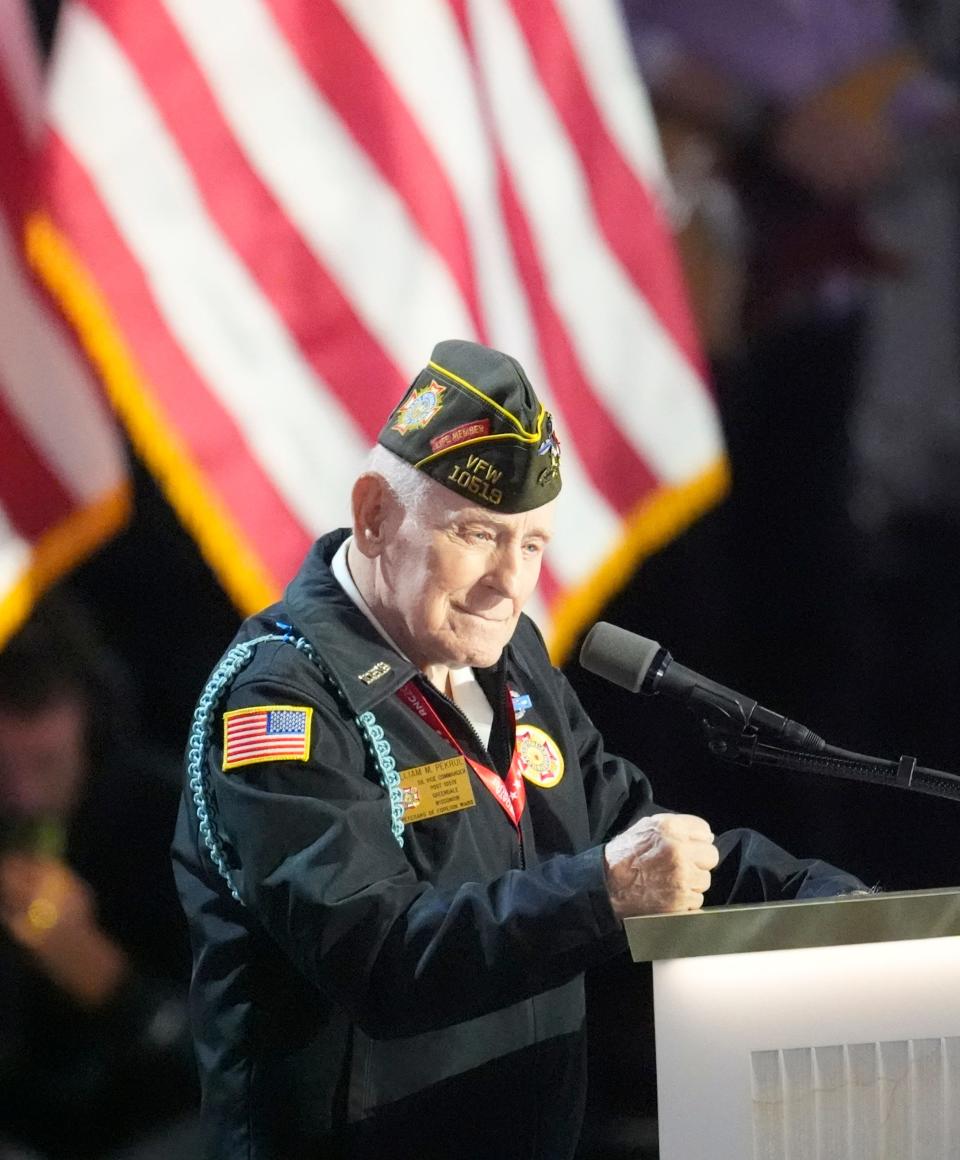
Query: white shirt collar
[[467, 695]]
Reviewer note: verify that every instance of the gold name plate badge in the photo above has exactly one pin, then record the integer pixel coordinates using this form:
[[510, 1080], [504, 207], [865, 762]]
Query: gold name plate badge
[[442, 787]]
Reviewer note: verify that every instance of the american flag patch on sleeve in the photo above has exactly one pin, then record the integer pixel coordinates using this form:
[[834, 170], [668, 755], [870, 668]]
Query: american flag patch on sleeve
[[266, 733]]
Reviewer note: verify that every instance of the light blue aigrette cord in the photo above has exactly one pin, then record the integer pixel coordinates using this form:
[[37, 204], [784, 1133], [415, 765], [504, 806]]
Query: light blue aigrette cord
[[214, 693]]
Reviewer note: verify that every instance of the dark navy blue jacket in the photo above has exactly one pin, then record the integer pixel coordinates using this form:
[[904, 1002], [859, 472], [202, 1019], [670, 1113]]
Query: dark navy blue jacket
[[368, 1000]]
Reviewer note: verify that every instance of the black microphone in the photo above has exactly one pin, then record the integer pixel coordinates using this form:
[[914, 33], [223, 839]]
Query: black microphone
[[643, 666]]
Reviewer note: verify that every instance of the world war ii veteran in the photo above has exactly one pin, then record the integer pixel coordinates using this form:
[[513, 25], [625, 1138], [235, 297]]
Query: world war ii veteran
[[402, 842]]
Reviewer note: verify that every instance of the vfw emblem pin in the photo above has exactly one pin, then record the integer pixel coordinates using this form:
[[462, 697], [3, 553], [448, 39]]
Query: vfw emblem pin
[[419, 408], [541, 761]]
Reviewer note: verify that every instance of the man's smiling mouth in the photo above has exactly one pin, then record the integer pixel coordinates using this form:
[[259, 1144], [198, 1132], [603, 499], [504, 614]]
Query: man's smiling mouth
[[480, 615]]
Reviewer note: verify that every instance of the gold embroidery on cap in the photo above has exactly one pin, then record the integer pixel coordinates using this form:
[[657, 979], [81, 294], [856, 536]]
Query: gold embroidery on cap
[[478, 477]]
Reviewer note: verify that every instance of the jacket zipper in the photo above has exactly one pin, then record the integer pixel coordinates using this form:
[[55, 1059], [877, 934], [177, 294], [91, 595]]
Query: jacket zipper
[[481, 748]]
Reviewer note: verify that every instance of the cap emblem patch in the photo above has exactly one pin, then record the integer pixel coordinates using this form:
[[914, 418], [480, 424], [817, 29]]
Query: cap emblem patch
[[419, 408]]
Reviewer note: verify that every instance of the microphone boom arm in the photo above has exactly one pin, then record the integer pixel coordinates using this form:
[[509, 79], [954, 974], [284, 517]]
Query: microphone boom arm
[[744, 748]]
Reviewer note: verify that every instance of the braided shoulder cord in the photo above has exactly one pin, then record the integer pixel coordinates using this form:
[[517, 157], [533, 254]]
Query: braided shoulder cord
[[201, 730], [379, 748], [377, 744]]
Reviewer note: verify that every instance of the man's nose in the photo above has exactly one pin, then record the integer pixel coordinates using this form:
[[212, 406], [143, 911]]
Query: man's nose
[[506, 570]]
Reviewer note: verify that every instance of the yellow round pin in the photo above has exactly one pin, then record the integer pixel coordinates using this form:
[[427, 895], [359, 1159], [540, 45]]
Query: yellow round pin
[[541, 761]]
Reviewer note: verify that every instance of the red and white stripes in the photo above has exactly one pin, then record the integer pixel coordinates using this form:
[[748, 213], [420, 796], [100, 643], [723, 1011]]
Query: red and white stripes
[[62, 470], [262, 214]]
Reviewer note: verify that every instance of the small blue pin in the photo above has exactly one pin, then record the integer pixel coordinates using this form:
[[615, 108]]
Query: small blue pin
[[521, 703]]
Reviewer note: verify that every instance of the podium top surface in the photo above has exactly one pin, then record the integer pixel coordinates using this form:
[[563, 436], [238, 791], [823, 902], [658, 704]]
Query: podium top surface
[[818, 922]]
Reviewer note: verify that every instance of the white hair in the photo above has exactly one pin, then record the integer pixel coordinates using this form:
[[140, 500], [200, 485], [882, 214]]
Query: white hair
[[412, 488]]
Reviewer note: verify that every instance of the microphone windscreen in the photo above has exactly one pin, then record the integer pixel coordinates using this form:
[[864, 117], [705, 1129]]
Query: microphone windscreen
[[617, 655]]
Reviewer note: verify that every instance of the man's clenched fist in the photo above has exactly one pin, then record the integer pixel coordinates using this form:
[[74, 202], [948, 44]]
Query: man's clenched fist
[[659, 865]]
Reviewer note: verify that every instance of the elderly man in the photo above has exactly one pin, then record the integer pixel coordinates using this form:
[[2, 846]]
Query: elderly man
[[402, 842]]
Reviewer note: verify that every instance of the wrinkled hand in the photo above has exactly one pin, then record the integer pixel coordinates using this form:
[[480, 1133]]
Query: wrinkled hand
[[659, 865], [50, 912]]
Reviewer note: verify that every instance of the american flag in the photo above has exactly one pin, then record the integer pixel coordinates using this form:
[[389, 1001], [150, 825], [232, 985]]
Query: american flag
[[261, 215], [266, 733], [63, 483]]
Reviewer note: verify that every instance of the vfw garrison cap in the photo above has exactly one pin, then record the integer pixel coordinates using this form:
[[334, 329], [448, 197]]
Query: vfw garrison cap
[[472, 422]]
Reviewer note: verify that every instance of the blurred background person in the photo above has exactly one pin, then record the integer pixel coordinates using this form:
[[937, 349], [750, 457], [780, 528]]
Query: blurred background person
[[94, 1051], [784, 124], [905, 432]]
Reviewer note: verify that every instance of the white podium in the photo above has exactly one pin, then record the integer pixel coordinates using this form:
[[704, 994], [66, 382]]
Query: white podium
[[821, 1030]]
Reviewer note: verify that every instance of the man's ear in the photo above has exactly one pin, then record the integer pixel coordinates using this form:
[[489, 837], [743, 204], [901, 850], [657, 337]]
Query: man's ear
[[373, 506]]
